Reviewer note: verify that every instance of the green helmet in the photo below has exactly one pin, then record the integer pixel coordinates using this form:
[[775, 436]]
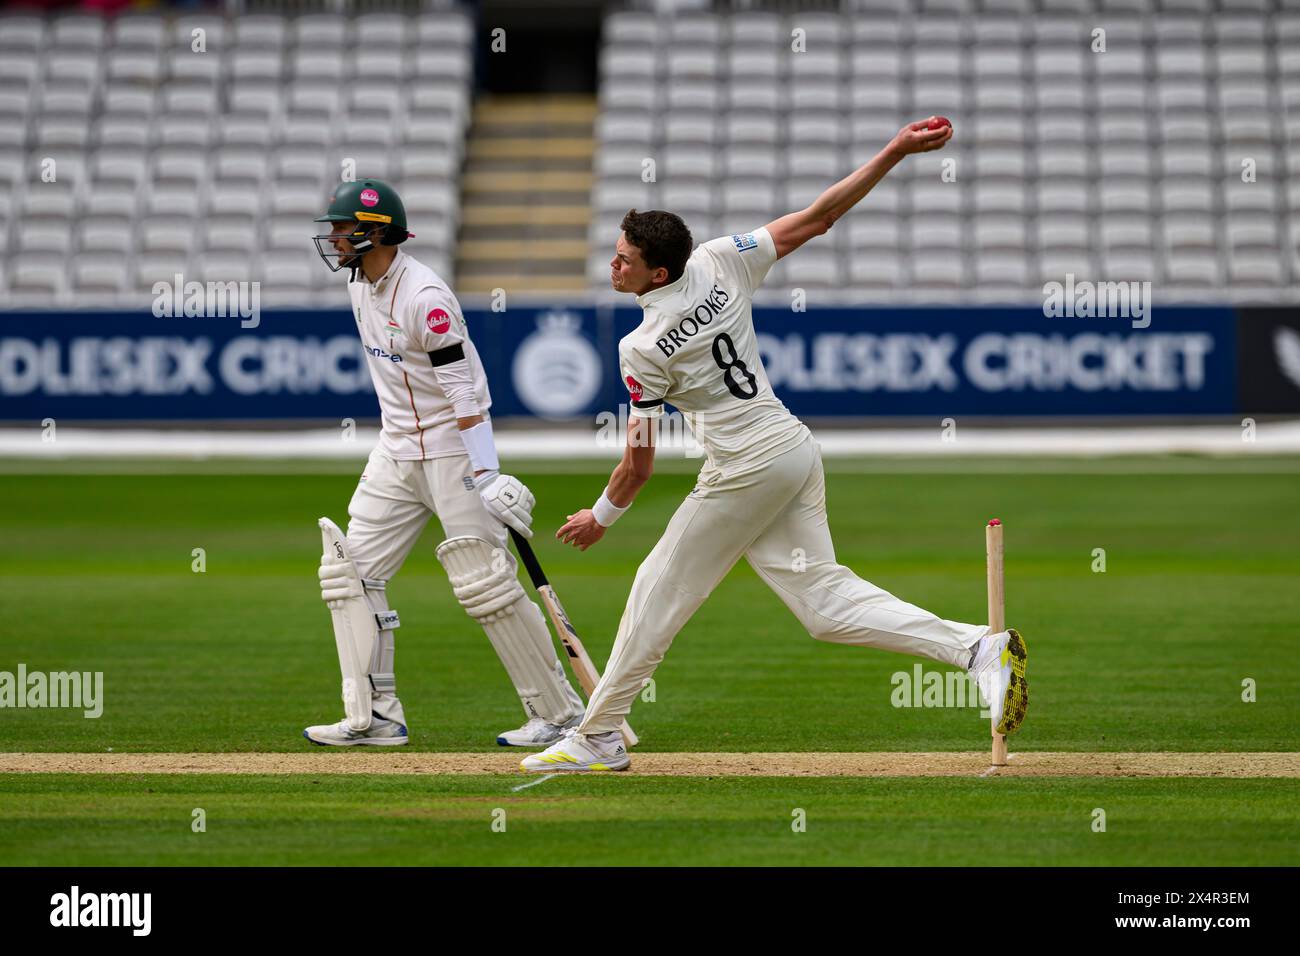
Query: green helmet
[[369, 203]]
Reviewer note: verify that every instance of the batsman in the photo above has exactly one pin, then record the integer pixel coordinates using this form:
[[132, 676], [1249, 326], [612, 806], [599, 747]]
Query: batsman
[[761, 492], [436, 456]]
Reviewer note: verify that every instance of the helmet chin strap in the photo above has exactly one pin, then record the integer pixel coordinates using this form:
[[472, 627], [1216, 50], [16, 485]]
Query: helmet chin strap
[[359, 248]]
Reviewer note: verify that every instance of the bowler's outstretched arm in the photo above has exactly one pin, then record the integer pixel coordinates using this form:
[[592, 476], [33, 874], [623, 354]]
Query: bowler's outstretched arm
[[792, 231]]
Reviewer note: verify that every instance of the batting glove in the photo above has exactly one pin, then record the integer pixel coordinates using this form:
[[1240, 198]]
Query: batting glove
[[508, 499]]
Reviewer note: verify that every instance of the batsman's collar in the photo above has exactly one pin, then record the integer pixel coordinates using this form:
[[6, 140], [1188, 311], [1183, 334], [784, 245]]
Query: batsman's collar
[[380, 285], [654, 295]]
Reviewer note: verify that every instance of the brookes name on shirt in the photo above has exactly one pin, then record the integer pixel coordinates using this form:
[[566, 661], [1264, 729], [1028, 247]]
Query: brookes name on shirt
[[704, 314]]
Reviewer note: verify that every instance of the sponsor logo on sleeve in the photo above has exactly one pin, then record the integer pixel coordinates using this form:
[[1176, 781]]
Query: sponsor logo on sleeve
[[634, 389], [438, 321], [745, 243]]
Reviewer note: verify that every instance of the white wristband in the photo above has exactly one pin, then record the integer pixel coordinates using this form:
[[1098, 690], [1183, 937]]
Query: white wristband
[[482, 449], [605, 511]]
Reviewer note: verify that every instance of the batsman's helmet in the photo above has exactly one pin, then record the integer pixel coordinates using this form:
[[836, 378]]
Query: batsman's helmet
[[371, 204]]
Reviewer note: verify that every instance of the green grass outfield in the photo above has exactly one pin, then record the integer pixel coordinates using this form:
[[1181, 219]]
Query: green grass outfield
[[1199, 594], [644, 821]]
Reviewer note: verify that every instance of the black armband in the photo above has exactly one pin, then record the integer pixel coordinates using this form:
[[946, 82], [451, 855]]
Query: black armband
[[452, 353]]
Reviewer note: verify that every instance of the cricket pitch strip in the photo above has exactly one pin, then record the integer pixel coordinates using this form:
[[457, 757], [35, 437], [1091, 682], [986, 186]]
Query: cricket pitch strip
[[883, 764]]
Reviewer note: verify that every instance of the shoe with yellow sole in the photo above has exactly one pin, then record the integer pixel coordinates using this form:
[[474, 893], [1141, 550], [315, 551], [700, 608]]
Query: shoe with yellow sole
[[580, 753], [999, 669]]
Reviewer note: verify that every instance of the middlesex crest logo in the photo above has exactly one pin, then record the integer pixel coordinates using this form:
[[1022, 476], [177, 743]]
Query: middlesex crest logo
[[438, 321], [369, 197], [556, 371], [634, 388]]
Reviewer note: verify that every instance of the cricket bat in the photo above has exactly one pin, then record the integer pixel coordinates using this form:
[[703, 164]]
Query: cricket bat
[[579, 659]]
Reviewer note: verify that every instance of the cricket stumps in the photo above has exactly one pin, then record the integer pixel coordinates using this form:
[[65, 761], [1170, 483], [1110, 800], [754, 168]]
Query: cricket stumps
[[997, 613]]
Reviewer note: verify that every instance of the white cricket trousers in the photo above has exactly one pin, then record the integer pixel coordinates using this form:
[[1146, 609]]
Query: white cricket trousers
[[395, 499], [774, 515]]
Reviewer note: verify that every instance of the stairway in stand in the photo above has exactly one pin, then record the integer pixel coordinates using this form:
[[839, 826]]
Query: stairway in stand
[[526, 195]]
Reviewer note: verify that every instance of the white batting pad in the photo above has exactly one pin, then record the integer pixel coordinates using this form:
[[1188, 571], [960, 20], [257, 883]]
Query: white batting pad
[[483, 580]]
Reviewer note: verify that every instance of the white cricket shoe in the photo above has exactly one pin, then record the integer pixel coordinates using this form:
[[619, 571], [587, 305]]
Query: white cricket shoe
[[380, 733], [999, 669], [538, 732], [580, 753]]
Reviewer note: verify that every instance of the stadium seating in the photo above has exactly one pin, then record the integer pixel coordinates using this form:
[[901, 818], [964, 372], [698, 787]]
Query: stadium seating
[[1125, 164], [212, 163], [121, 143]]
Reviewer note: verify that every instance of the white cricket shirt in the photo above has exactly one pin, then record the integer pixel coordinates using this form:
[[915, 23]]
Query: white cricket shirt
[[696, 348], [409, 323]]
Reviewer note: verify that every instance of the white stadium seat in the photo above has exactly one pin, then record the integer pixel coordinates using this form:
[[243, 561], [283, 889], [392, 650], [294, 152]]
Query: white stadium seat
[[452, 30], [112, 199], [627, 63], [78, 32], [753, 63], [1001, 231], [97, 274], [104, 234], [168, 235], [872, 232], [688, 198], [231, 231], [757, 29], [134, 65], [876, 270], [817, 267], [287, 277], [632, 29], [115, 132], [306, 130], [183, 130], [222, 266], [761, 94], [684, 162], [1193, 267], [691, 63], [52, 238], [299, 201], [1065, 235], [255, 64], [621, 196], [315, 30], [826, 163], [747, 128], [21, 33], [383, 66], [751, 161], [1002, 269], [138, 33]]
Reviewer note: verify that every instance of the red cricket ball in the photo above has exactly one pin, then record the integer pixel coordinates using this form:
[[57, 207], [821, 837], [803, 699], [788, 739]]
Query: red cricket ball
[[994, 521], [939, 122]]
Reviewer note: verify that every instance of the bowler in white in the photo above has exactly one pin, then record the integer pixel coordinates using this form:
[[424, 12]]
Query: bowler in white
[[761, 492]]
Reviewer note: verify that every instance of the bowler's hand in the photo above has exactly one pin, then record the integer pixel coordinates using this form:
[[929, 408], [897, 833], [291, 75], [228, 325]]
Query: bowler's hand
[[581, 530], [916, 138]]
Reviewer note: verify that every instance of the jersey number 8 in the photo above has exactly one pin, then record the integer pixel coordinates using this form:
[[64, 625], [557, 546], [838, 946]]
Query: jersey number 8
[[734, 385]]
